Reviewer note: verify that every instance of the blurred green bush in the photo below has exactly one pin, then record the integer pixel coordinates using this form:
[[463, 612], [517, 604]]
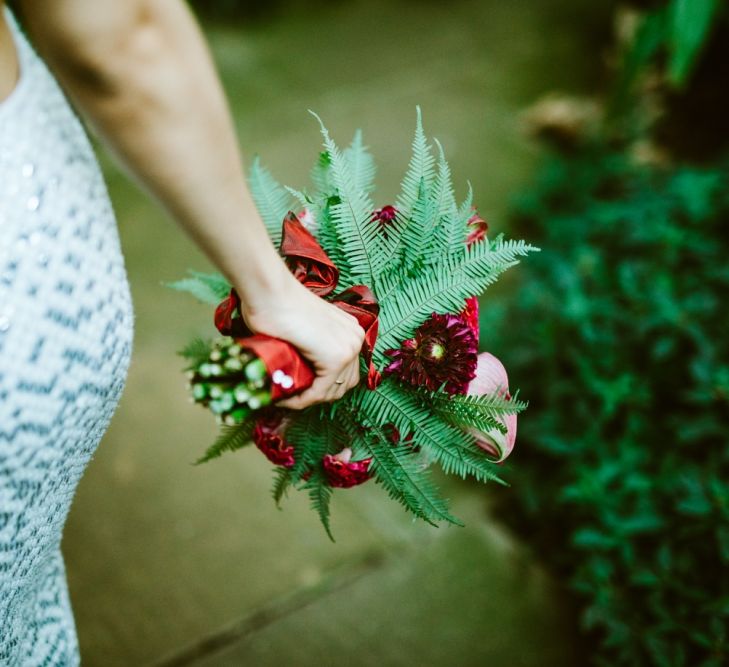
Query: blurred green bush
[[619, 337]]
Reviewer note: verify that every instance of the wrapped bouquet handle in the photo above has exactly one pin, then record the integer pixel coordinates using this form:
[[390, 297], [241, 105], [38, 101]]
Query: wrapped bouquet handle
[[290, 373]]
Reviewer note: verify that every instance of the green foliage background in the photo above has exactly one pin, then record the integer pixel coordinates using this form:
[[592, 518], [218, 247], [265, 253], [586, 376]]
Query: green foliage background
[[618, 334]]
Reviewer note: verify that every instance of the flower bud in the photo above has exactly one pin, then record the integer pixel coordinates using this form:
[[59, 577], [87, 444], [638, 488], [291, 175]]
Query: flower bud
[[491, 378]]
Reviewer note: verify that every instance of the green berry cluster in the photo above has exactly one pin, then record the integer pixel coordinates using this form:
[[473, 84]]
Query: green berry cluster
[[231, 382]]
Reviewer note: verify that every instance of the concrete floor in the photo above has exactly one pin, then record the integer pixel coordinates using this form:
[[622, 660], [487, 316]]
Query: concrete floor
[[172, 564]]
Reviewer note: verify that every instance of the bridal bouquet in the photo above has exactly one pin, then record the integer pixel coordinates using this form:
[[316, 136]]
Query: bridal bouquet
[[409, 273]]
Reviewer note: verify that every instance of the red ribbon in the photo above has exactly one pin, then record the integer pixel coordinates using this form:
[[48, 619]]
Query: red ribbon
[[312, 267]]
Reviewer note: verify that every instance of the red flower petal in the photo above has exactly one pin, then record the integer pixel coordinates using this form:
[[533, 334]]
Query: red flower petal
[[343, 473], [268, 437], [491, 378], [469, 314], [477, 227]]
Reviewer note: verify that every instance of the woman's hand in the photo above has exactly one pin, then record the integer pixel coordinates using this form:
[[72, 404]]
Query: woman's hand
[[326, 336]]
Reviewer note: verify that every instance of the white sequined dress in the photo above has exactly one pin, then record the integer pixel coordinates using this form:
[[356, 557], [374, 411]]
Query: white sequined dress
[[65, 343]]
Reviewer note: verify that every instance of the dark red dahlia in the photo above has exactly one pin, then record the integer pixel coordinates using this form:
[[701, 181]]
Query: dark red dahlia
[[269, 438], [341, 472], [442, 352], [469, 314], [385, 215], [477, 228]]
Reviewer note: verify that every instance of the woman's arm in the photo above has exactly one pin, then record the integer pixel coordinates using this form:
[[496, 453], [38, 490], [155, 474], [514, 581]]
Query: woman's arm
[[140, 72]]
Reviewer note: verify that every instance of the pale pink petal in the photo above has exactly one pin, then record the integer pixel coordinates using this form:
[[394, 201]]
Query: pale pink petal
[[491, 378], [306, 218]]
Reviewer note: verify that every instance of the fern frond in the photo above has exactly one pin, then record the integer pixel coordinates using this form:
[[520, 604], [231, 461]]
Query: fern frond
[[463, 411], [420, 169], [327, 235], [418, 234], [230, 439], [321, 176], [458, 231], [308, 434], [352, 218], [361, 164], [197, 352], [210, 288], [444, 211], [281, 484], [301, 197], [452, 448], [400, 473], [443, 289], [272, 201], [320, 495]]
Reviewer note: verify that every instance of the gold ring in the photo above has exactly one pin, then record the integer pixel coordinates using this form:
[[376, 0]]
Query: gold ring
[[338, 381]]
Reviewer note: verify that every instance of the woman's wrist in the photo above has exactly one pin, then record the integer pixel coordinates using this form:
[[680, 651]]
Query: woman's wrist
[[263, 281]]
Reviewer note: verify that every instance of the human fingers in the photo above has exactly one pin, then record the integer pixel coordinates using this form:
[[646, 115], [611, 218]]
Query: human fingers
[[317, 393], [326, 388], [346, 380]]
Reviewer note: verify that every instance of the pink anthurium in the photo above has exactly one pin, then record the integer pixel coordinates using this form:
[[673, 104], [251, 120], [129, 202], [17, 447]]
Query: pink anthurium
[[491, 378]]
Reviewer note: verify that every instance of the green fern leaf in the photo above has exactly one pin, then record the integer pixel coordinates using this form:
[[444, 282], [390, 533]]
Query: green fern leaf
[[210, 288], [308, 433], [320, 495], [281, 483], [444, 211], [352, 217], [272, 201], [458, 231], [301, 197], [418, 234], [230, 439], [197, 352], [321, 176], [402, 476], [420, 170], [451, 447], [479, 412], [443, 289], [361, 164]]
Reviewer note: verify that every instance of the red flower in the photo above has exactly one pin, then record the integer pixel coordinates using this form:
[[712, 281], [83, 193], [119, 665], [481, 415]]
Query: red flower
[[469, 314], [268, 437], [343, 473], [442, 352], [385, 215], [477, 228]]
